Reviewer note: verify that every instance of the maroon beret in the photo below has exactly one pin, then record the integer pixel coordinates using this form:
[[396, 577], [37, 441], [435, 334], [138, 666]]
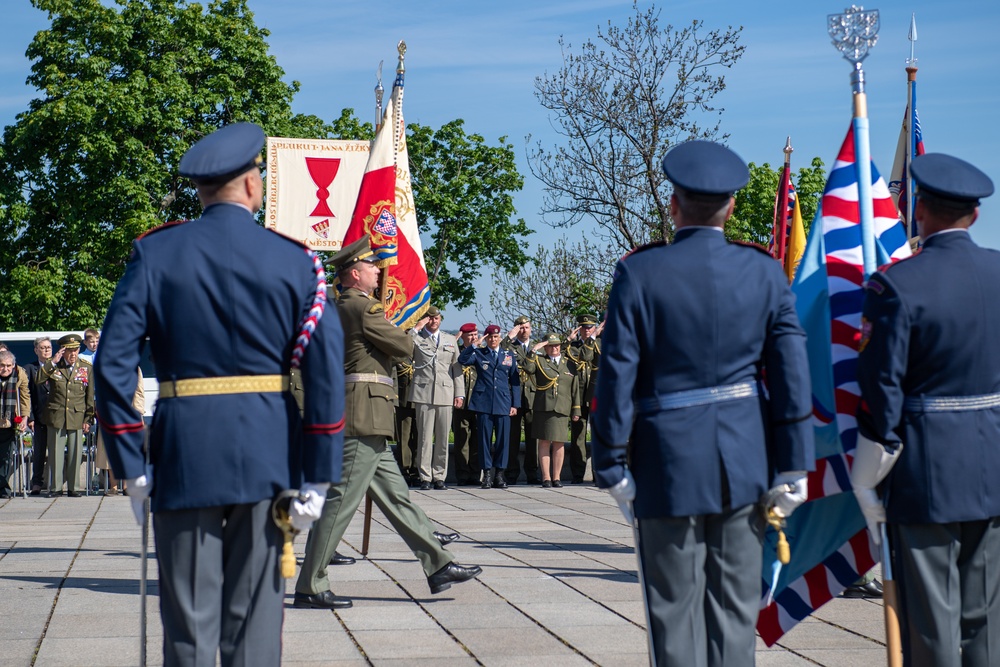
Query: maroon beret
[[492, 329], [468, 327]]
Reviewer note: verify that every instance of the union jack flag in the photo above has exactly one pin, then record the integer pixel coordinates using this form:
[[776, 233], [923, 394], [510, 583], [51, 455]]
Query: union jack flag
[[830, 545]]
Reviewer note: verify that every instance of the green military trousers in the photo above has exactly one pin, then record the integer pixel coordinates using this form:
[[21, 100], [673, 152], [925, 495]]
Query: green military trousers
[[368, 467]]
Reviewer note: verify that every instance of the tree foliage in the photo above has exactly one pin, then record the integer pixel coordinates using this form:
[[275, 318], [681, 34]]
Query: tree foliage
[[753, 218], [555, 286], [92, 162], [462, 188], [620, 103]]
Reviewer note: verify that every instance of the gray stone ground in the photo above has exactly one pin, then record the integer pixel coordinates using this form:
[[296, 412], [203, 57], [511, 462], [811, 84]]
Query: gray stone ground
[[558, 588]]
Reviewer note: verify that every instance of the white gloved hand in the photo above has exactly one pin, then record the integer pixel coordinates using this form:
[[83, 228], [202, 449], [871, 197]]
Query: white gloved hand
[[788, 501], [308, 506], [138, 490], [874, 511], [624, 493]]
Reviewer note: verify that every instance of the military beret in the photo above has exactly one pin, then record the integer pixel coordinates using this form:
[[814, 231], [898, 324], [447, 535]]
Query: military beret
[[705, 167], [432, 311], [586, 320], [468, 327], [553, 339], [522, 319], [492, 329], [224, 154], [359, 251], [949, 180], [70, 342]]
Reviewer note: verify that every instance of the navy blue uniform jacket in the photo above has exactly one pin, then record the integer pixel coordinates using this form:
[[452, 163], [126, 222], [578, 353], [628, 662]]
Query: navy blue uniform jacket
[[931, 326], [696, 314], [221, 296], [498, 384]]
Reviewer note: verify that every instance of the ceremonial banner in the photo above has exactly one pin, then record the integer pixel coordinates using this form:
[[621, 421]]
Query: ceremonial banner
[[829, 541], [312, 187], [910, 134], [385, 210], [795, 233]]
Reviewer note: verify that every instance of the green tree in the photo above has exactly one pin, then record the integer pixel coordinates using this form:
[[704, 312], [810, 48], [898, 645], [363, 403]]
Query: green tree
[[92, 162], [462, 189], [753, 218], [620, 103]]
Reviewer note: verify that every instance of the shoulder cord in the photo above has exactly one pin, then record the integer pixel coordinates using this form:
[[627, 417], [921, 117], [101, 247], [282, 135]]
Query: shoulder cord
[[552, 380], [312, 318]]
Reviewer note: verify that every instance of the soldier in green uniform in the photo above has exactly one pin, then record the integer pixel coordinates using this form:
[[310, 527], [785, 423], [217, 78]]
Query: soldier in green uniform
[[370, 344], [519, 342], [406, 426], [463, 421], [557, 402], [584, 350], [68, 414]]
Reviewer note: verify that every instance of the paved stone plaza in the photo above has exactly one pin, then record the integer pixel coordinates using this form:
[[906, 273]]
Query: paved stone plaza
[[558, 588]]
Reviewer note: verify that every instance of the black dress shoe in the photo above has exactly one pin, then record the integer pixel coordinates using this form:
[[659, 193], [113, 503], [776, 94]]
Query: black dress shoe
[[445, 538], [452, 573], [341, 559], [556, 484], [74, 494], [35, 491], [440, 486], [499, 481], [871, 590], [546, 484], [425, 486], [324, 600], [487, 479]]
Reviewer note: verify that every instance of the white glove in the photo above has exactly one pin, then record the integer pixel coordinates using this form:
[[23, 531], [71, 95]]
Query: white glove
[[624, 493], [788, 501], [874, 511], [138, 491], [308, 506]]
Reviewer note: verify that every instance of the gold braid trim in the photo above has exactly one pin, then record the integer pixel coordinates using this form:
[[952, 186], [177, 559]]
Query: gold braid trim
[[552, 379], [405, 370]]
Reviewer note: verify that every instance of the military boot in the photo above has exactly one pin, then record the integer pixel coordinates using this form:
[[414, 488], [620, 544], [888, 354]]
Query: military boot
[[487, 479], [498, 479]]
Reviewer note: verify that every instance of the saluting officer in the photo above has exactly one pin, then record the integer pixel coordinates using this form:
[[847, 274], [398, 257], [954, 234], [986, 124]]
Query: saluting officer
[[227, 307], [680, 423], [519, 341], [929, 373], [463, 420], [68, 413], [370, 344], [584, 350]]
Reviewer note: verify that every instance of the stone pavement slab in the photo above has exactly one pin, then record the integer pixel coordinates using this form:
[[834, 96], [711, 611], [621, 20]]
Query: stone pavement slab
[[559, 587]]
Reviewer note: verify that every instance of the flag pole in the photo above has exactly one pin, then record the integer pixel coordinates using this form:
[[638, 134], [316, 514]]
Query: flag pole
[[781, 212], [911, 134]]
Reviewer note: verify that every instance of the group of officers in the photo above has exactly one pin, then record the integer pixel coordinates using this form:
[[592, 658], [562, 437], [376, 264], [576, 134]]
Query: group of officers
[[702, 405]]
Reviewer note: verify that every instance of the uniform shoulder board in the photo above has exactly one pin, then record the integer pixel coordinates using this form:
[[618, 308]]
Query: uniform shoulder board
[[645, 246], [886, 267], [165, 225], [751, 244], [376, 308]]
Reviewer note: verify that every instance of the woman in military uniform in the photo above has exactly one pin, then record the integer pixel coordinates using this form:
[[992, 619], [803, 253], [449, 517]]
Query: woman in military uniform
[[557, 400]]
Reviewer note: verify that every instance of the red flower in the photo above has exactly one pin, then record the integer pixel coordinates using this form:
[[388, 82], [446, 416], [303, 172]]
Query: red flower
[[18, 419]]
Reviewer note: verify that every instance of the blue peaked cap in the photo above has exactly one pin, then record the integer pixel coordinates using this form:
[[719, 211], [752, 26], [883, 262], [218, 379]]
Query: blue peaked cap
[[946, 177], [705, 167], [224, 154]]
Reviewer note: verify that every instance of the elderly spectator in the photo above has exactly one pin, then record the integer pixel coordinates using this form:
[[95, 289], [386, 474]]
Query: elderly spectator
[[518, 341], [557, 400], [438, 385], [15, 404], [496, 397], [39, 399], [69, 413]]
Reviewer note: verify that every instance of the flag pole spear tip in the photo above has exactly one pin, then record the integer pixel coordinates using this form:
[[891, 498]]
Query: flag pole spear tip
[[912, 36], [788, 150]]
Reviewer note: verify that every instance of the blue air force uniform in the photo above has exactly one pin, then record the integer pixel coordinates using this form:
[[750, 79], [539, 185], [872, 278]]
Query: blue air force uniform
[[222, 302], [691, 331], [497, 390], [929, 374]]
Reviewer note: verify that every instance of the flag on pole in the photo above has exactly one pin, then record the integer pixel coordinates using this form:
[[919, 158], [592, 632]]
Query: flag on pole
[[779, 237], [900, 174], [795, 233], [385, 210], [829, 541]]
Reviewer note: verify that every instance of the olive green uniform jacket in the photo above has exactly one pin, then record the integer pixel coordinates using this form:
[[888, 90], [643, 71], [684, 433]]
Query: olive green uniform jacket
[[370, 343], [71, 394], [557, 387]]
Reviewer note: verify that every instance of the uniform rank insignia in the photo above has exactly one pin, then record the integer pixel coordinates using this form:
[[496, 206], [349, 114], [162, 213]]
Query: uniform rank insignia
[[375, 308], [507, 361], [486, 365], [866, 334]]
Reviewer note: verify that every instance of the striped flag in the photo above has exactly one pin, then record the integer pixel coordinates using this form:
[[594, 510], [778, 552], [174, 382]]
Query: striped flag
[[900, 173], [829, 541]]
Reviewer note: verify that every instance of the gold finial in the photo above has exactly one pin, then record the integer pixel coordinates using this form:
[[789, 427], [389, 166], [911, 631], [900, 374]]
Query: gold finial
[[401, 47]]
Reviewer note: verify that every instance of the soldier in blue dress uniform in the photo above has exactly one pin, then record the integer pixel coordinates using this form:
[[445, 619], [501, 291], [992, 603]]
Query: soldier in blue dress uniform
[[227, 306], [495, 399], [684, 433], [929, 373]]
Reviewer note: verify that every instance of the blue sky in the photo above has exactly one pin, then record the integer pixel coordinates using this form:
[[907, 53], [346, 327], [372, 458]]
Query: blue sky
[[478, 61]]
